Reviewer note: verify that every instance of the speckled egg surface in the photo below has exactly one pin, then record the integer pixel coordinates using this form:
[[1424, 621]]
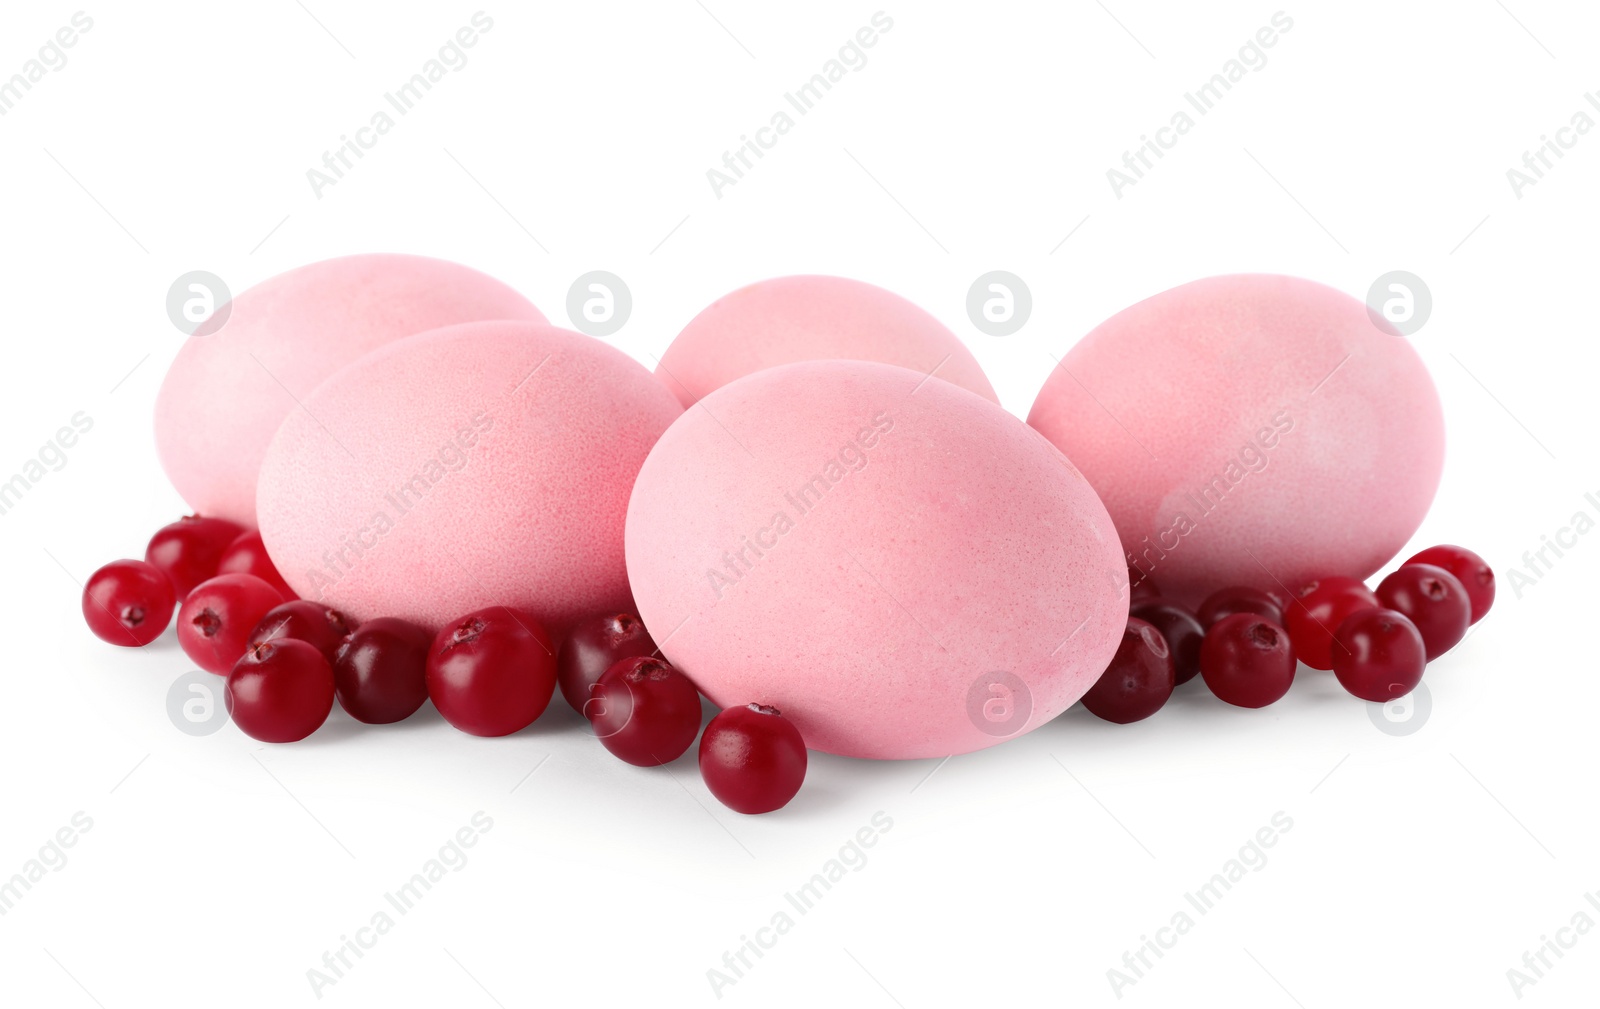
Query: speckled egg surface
[[481, 464], [1250, 430], [812, 318], [900, 566], [227, 391]]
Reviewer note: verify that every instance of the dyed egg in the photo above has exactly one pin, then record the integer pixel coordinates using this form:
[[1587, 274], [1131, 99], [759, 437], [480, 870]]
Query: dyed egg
[[482, 464], [898, 565], [227, 391], [790, 319], [1250, 430]]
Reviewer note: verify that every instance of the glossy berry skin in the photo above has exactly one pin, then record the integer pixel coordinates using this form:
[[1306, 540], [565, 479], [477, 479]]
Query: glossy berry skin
[[595, 645], [1431, 598], [1141, 586], [216, 619], [280, 691], [1320, 608], [1382, 655], [190, 549], [1247, 660], [247, 555], [1181, 630], [380, 672], [128, 603], [1239, 599], [644, 711], [492, 672], [318, 626], [752, 758], [1139, 679], [1475, 575]]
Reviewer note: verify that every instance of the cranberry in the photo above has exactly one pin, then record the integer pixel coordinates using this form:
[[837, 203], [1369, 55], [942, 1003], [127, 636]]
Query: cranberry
[[381, 671], [752, 758], [1239, 599], [595, 645], [215, 622], [492, 672], [1181, 630], [1317, 613], [1139, 679], [1474, 574], [190, 549], [1141, 585], [1247, 660], [128, 603], [247, 555], [280, 691], [304, 620], [644, 711], [1431, 598], [1382, 655]]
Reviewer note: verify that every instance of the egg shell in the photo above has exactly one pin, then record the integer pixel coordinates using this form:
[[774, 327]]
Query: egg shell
[[812, 318], [227, 391], [477, 465], [898, 565], [1250, 430]]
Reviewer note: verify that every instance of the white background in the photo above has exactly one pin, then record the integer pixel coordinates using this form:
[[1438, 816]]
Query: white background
[[1419, 867]]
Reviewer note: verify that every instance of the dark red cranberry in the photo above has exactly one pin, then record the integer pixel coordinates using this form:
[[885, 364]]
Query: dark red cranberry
[[215, 622], [280, 691], [492, 672], [644, 711], [1247, 660], [1239, 599], [1181, 630], [752, 758], [315, 624], [190, 549], [1320, 608], [247, 555], [1474, 574], [595, 645], [1141, 585], [1431, 598], [1381, 655], [1139, 679], [380, 672], [128, 603]]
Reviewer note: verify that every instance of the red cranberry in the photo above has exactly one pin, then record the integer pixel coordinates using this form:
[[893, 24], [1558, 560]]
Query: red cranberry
[[644, 711], [128, 603], [1181, 630], [1141, 585], [1247, 660], [1382, 655], [1434, 600], [1239, 599], [190, 549], [752, 758], [280, 691], [247, 555], [215, 622], [1317, 613], [1474, 574], [1139, 679], [595, 645], [492, 672], [381, 671], [315, 624]]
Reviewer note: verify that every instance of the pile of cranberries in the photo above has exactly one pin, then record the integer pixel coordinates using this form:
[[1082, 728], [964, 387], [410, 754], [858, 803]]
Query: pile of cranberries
[[1245, 643], [489, 673]]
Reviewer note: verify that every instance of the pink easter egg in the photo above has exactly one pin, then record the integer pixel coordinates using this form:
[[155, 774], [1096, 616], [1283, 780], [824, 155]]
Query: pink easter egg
[[227, 391], [1250, 430], [486, 464], [900, 566], [811, 318]]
